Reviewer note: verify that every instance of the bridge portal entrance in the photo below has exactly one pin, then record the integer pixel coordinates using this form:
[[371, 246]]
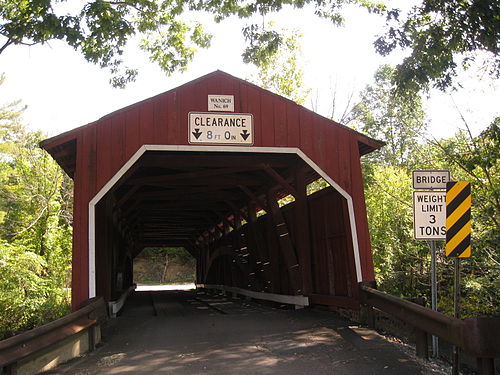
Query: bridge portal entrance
[[145, 176]]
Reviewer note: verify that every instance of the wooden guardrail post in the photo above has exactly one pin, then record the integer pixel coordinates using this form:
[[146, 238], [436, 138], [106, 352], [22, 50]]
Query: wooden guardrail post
[[485, 366], [481, 340], [91, 333], [421, 343], [421, 336], [10, 369], [367, 311]]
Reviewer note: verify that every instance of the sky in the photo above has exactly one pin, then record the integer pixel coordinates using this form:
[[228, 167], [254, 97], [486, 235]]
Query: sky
[[62, 91]]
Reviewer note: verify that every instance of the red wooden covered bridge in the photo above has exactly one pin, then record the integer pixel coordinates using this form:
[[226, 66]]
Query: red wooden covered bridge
[[203, 166]]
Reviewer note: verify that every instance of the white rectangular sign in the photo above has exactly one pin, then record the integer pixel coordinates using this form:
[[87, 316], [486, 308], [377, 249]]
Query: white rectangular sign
[[429, 215], [430, 179], [220, 128], [223, 103]]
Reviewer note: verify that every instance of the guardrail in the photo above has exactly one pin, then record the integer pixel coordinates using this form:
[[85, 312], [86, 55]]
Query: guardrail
[[115, 306], [477, 336], [38, 349]]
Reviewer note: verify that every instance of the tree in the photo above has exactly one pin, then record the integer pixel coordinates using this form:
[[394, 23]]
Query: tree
[[398, 121], [439, 33], [35, 228], [401, 263], [280, 71], [436, 31], [477, 159], [101, 29]]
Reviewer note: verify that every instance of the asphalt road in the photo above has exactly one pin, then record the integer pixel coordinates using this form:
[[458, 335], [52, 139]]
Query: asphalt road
[[191, 333]]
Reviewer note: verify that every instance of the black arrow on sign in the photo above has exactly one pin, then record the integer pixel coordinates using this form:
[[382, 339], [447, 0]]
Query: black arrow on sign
[[245, 135], [197, 133]]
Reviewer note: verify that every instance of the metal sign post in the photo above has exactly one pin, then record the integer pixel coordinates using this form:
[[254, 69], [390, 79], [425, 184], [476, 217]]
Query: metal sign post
[[429, 221], [435, 344], [456, 300], [458, 243]]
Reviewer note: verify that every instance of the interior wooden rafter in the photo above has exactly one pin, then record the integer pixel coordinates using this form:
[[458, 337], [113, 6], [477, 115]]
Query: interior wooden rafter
[[172, 199]]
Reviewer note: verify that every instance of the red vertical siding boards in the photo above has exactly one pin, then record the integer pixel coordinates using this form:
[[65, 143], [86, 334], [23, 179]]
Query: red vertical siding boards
[[319, 264], [183, 106], [306, 131], [253, 107], [117, 143], [319, 143], [172, 125], [226, 85], [86, 189], [332, 145], [132, 133], [358, 198], [280, 121], [146, 120], [292, 125], [198, 99], [214, 85], [237, 91], [333, 259], [341, 259], [272, 248], [78, 291], [103, 150], [344, 162], [242, 104], [89, 145], [267, 121], [160, 118]]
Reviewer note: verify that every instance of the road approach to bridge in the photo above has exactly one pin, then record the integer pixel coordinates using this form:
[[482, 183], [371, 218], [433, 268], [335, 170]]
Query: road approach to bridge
[[190, 332]]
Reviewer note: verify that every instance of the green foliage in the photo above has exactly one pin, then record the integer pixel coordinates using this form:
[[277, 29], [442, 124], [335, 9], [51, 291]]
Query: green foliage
[[402, 264], [476, 159], [179, 253], [164, 265], [435, 31], [278, 67], [100, 31], [438, 33], [35, 228], [28, 298], [384, 115]]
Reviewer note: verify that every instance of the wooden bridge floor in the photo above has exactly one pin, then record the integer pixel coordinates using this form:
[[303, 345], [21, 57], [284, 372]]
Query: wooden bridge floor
[[194, 333]]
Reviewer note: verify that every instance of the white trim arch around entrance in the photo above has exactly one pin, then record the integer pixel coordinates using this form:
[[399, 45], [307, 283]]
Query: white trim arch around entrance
[[277, 150]]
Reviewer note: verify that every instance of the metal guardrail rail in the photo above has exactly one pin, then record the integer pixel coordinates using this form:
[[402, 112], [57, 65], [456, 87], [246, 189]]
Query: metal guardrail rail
[[477, 336], [92, 313]]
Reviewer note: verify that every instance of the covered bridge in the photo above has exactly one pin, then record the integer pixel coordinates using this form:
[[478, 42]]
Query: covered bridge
[[203, 166]]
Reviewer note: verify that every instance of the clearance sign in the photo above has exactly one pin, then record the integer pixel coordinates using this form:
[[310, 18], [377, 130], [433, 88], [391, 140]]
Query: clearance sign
[[220, 128]]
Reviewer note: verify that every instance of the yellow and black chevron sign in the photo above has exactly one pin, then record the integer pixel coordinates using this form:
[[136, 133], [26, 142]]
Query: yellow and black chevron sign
[[458, 220]]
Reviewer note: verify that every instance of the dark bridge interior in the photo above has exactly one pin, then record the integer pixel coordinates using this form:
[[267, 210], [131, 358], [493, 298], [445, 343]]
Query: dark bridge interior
[[224, 209]]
